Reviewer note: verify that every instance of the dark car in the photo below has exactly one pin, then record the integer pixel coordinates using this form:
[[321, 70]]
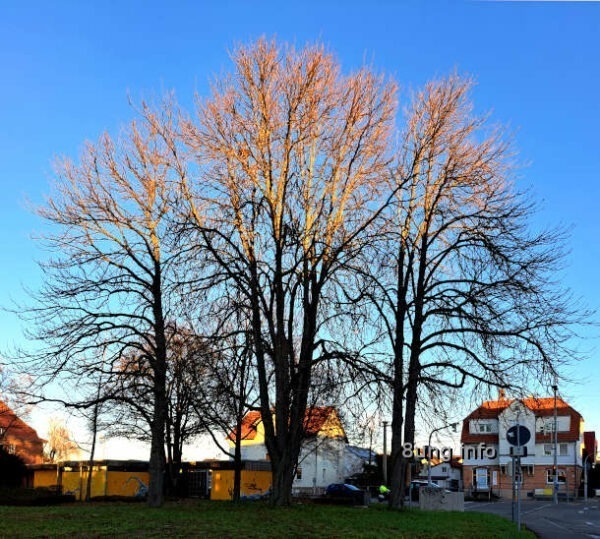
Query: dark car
[[345, 493], [415, 486]]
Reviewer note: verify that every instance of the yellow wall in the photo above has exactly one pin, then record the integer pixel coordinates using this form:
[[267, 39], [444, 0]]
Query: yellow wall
[[44, 478], [74, 481], [253, 482], [71, 482], [125, 483], [98, 481]]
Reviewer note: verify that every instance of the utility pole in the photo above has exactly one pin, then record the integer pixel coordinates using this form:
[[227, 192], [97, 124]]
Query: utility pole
[[555, 432], [518, 475], [384, 460]]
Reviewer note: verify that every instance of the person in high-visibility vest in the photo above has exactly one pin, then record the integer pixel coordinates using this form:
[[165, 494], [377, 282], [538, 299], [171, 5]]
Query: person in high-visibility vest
[[384, 492]]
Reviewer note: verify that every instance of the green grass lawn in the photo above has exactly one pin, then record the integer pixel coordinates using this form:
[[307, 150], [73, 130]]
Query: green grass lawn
[[250, 519]]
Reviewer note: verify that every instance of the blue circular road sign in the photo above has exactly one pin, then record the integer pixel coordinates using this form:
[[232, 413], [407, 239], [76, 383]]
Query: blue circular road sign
[[518, 435]]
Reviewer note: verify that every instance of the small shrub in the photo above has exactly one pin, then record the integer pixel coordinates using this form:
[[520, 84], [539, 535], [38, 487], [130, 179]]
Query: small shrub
[[30, 496]]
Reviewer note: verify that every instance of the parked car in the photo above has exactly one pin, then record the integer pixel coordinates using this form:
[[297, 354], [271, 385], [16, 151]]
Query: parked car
[[345, 493], [415, 486]]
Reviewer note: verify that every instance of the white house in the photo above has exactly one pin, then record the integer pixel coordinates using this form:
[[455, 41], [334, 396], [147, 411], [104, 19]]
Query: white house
[[324, 456], [445, 474], [487, 460]]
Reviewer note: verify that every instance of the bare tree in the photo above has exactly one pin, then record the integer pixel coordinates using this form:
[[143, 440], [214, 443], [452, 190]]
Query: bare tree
[[290, 152], [12, 387], [462, 288], [188, 368], [60, 445], [229, 391], [111, 285]]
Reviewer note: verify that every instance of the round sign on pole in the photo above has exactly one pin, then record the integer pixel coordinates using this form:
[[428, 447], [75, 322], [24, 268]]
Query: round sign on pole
[[518, 435]]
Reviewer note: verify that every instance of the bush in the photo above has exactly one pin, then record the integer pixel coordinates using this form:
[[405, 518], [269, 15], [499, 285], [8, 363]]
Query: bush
[[31, 496], [12, 469]]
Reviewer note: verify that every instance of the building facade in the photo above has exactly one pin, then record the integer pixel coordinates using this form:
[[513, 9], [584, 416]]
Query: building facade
[[323, 456], [487, 458], [446, 474]]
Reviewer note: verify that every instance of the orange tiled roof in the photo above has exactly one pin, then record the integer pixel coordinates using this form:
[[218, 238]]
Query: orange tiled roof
[[314, 421], [540, 406], [16, 431], [16, 426]]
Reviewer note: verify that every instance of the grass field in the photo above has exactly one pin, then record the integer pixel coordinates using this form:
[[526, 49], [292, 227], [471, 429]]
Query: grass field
[[252, 519]]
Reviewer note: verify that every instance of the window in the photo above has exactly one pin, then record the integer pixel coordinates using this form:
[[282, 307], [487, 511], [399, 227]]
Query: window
[[485, 427], [11, 448], [444, 469], [299, 472], [545, 426], [562, 476], [563, 450]]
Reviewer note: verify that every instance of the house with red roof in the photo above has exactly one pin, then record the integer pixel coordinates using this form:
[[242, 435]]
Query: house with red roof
[[486, 451], [323, 454], [447, 474], [19, 438]]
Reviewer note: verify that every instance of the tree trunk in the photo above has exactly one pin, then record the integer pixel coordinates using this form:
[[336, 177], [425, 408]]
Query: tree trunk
[[157, 448], [397, 460], [283, 477], [88, 493], [157, 451], [237, 463], [397, 478]]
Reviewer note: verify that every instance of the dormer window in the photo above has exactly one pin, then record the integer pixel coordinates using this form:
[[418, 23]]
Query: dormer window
[[485, 428]]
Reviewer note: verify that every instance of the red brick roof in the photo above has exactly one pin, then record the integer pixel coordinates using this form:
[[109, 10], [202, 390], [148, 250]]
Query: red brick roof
[[487, 410], [314, 420], [540, 406], [28, 445]]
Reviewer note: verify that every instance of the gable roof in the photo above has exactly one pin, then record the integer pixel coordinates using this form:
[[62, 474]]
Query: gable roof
[[315, 422], [15, 426], [540, 406]]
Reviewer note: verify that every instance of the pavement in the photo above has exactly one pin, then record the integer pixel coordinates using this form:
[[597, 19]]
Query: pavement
[[567, 520]]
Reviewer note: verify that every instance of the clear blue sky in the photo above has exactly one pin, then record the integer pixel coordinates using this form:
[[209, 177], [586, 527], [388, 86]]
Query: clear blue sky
[[68, 67]]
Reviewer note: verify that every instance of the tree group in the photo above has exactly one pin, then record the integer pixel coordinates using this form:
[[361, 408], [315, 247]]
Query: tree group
[[292, 242]]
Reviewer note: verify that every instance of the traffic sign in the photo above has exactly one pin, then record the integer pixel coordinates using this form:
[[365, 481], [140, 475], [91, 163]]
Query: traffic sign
[[518, 435], [518, 451]]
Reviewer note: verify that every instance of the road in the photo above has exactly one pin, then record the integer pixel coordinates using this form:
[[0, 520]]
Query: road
[[567, 520]]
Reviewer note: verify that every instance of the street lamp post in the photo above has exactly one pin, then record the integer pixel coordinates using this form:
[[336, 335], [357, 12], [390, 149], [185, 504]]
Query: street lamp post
[[384, 458], [453, 425]]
